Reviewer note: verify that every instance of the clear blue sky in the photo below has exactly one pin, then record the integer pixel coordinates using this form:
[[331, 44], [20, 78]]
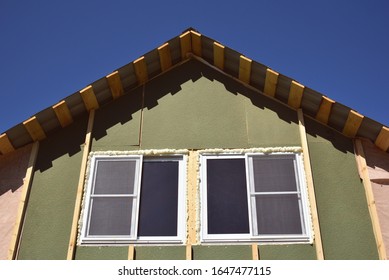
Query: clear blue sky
[[51, 49]]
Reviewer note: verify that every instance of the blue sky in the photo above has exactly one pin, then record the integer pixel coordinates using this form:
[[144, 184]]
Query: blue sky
[[51, 49]]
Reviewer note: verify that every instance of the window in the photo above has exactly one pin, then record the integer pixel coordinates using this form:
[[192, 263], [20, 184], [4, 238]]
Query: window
[[133, 198], [254, 197]]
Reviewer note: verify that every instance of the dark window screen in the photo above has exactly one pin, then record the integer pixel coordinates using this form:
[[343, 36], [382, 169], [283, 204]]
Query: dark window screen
[[227, 196], [115, 177], [278, 214], [159, 199], [110, 216], [274, 174]]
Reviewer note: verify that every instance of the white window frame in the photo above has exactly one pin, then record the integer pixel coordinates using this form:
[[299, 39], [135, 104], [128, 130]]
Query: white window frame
[[253, 236], [133, 238]]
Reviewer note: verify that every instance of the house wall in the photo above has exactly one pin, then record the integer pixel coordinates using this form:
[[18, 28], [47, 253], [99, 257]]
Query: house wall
[[13, 168], [50, 208], [194, 107], [343, 214]]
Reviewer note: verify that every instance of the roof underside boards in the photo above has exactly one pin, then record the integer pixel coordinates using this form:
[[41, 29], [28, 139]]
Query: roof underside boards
[[188, 45]]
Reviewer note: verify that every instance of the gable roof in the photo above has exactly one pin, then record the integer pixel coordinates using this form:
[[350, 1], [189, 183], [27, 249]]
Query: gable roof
[[193, 45]]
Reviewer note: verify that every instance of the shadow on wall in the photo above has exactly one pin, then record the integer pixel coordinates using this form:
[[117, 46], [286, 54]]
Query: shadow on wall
[[13, 167], [70, 139]]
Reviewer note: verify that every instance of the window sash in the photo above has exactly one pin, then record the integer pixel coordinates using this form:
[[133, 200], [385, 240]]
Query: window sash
[[253, 235], [133, 237]]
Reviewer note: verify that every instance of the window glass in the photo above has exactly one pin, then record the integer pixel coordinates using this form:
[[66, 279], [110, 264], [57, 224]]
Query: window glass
[[159, 199], [111, 216], [227, 196], [115, 177]]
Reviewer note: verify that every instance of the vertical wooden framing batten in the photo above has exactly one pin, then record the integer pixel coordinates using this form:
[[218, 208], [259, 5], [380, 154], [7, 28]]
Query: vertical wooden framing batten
[[63, 114], [16, 234], [80, 187], [244, 69], [5, 144], [165, 57], [131, 252], [311, 190], [364, 172], [192, 198], [34, 129], [382, 140], [271, 81], [89, 98], [255, 252], [115, 84], [188, 252]]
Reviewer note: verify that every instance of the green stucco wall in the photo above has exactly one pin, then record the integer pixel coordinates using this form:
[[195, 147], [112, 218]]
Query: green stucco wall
[[222, 252], [345, 223], [196, 107], [50, 208]]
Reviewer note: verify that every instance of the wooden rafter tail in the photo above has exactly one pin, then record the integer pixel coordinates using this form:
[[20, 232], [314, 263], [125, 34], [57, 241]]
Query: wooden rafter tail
[[89, 98], [354, 121], [80, 187], [218, 55], [115, 84], [382, 140], [15, 238], [364, 172], [63, 113], [5, 144], [140, 67], [196, 43], [35, 129], [323, 114], [310, 186], [244, 69], [185, 44], [271, 81], [165, 57], [295, 94]]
